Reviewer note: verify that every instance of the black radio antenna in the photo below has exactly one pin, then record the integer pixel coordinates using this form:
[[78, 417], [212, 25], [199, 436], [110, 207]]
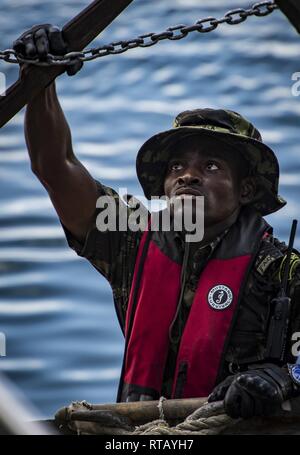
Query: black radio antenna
[[288, 257]]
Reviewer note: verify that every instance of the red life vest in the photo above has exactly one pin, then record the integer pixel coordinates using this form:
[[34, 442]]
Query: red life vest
[[152, 306]]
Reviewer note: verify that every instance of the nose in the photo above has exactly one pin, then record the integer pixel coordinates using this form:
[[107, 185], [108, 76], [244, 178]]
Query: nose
[[189, 178]]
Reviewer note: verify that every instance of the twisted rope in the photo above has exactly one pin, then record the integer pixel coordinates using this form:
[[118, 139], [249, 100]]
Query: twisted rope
[[208, 420]]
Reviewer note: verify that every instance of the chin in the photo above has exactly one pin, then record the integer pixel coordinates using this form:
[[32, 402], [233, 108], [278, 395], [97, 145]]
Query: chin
[[183, 207]]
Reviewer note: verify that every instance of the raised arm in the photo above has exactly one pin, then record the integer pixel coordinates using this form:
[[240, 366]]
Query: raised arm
[[71, 188]]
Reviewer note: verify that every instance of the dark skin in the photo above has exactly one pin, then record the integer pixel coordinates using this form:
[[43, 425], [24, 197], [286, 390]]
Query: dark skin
[[71, 188], [204, 168], [209, 169]]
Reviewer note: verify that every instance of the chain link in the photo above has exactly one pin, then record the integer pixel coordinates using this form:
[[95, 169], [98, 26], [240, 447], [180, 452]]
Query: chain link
[[177, 32]]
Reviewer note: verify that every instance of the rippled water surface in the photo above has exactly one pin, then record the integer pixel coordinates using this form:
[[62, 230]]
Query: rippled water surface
[[63, 339]]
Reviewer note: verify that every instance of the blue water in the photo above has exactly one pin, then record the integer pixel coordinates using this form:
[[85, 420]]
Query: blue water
[[63, 339]]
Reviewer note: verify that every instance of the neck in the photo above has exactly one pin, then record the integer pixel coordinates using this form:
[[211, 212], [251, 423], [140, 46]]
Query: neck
[[213, 230]]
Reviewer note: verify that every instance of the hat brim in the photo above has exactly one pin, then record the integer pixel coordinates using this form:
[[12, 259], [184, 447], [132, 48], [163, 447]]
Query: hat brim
[[155, 153]]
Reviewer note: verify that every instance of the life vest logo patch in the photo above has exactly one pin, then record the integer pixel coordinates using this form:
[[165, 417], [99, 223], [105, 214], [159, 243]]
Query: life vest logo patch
[[294, 371], [220, 297]]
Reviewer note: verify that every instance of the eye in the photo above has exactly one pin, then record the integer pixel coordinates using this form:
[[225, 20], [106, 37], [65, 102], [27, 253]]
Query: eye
[[212, 166], [176, 166]]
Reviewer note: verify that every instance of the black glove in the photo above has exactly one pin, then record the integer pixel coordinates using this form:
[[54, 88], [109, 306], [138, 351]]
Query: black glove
[[41, 40], [257, 392]]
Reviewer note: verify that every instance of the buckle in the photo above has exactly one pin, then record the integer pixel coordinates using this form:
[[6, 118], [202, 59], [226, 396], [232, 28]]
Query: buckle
[[234, 368]]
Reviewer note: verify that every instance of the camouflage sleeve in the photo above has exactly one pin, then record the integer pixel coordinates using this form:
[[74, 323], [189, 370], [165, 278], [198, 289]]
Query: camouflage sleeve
[[294, 335], [294, 294], [274, 275], [111, 252]]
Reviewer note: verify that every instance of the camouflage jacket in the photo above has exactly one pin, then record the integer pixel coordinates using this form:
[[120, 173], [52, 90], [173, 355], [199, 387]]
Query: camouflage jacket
[[113, 254]]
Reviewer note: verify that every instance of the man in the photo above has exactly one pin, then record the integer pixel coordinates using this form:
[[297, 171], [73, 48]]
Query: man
[[197, 317]]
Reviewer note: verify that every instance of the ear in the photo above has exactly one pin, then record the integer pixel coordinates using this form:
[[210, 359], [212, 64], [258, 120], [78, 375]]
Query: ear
[[248, 190]]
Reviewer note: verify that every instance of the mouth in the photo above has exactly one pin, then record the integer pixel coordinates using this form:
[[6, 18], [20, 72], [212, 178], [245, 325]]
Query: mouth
[[187, 190]]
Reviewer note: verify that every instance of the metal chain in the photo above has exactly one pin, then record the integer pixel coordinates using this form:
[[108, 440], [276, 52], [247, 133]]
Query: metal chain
[[177, 32]]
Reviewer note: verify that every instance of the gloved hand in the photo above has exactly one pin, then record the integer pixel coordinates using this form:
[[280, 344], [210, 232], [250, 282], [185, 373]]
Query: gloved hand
[[41, 40], [256, 392]]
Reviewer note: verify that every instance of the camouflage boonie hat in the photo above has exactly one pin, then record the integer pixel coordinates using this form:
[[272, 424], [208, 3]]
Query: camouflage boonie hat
[[225, 126]]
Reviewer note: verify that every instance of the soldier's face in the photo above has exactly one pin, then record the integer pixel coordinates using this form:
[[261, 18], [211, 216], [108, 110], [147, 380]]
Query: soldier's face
[[205, 170]]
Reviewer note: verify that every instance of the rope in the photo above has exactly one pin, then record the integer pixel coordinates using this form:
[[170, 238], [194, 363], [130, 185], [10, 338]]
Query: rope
[[160, 408], [208, 420]]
